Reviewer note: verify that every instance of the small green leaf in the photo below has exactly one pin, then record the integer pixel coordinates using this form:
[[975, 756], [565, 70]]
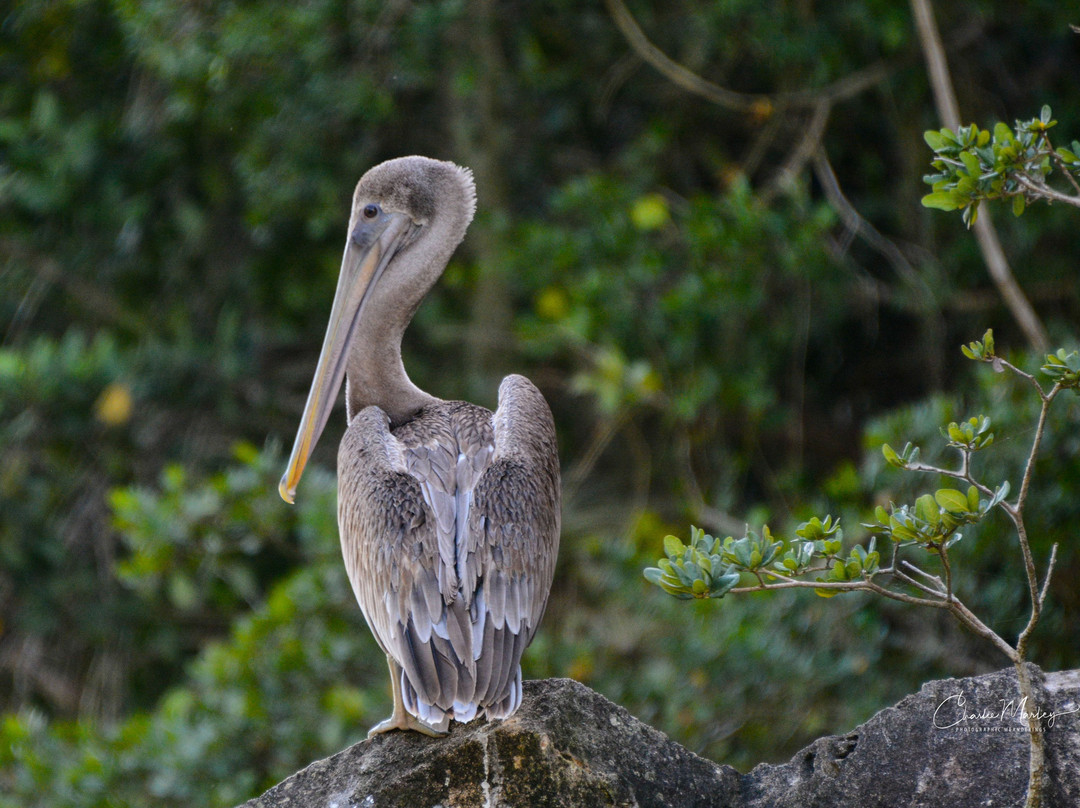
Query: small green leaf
[[972, 499], [678, 592], [903, 533], [942, 200], [934, 139], [926, 508], [1018, 205], [951, 500], [673, 546], [723, 585]]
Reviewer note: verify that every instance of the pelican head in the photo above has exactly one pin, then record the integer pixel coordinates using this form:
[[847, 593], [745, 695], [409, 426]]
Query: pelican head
[[408, 216]]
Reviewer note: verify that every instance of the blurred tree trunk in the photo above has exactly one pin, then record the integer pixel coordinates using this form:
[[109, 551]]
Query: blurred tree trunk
[[481, 138]]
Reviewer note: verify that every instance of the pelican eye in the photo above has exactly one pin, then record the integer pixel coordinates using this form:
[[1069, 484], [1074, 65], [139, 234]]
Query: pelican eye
[[371, 211]]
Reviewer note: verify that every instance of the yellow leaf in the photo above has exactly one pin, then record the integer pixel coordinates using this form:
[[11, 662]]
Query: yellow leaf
[[552, 303], [650, 212], [113, 406]]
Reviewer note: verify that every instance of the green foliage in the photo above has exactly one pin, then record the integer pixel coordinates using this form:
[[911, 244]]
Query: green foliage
[[1063, 368], [704, 568], [711, 568], [932, 522], [973, 434], [974, 165], [981, 350], [174, 188], [196, 545], [990, 586], [297, 676], [685, 301]]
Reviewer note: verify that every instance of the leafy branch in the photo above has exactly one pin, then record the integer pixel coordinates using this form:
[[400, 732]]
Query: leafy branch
[[973, 165], [708, 567]]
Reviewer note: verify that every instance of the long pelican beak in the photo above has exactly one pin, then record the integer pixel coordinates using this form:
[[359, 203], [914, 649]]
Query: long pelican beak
[[371, 246]]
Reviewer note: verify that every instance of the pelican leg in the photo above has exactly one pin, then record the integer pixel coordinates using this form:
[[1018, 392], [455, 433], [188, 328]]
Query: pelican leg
[[401, 718]]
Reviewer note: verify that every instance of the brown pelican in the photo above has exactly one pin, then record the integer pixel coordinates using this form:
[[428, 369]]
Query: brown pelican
[[448, 513]]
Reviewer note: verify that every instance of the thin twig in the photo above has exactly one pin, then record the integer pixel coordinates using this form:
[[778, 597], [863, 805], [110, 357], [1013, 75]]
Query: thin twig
[[849, 86], [1044, 190], [1049, 572], [1025, 546], [809, 145], [968, 618], [1024, 375], [857, 224], [1061, 163], [925, 574], [901, 596], [962, 474], [1029, 468], [912, 582], [843, 586]]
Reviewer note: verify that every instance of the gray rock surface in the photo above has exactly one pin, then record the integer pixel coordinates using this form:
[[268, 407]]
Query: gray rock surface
[[956, 743]]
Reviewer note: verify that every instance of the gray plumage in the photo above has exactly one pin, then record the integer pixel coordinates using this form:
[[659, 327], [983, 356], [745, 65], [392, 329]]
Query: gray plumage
[[448, 513]]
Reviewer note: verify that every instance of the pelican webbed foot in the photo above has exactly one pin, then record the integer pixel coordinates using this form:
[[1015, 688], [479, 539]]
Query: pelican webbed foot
[[402, 718]]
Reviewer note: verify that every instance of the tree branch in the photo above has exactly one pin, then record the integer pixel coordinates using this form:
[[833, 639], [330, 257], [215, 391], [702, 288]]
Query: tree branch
[[989, 245], [859, 226], [808, 146], [846, 87], [1045, 191]]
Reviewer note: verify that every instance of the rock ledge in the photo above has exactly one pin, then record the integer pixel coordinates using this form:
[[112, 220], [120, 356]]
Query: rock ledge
[[954, 744]]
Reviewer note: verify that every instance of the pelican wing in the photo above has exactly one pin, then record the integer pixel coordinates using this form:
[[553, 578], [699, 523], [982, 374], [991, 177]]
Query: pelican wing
[[391, 544], [450, 529], [511, 542]]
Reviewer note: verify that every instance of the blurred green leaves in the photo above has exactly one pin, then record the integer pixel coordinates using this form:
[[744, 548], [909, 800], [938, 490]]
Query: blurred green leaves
[[691, 308], [202, 544], [296, 675]]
